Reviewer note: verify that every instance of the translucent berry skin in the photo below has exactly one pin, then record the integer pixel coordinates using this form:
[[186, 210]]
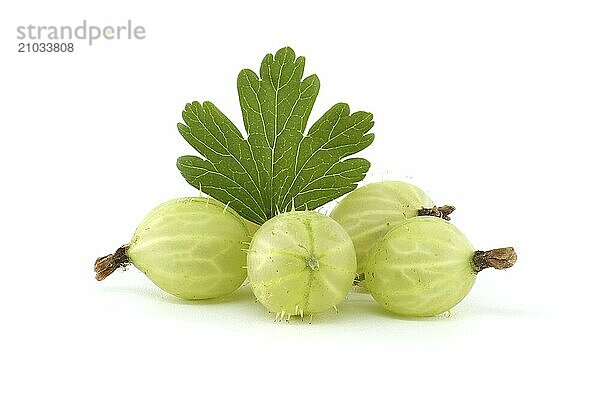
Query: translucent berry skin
[[371, 211], [301, 263], [421, 268], [192, 248]]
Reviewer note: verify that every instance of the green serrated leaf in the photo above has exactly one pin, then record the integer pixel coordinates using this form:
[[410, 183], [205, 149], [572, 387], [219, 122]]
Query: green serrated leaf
[[276, 167]]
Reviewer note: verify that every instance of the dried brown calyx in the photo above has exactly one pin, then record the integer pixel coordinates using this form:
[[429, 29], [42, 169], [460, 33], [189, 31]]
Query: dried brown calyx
[[104, 266], [502, 258], [440, 212]]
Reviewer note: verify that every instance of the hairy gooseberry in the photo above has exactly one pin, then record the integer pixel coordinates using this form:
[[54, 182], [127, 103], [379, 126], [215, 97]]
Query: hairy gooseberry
[[190, 247], [301, 263], [371, 211], [425, 266]]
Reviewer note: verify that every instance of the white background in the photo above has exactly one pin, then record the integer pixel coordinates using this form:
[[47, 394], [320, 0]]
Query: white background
[[490, 106]]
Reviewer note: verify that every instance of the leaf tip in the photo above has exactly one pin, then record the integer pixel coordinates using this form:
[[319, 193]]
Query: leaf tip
[[286, 54]]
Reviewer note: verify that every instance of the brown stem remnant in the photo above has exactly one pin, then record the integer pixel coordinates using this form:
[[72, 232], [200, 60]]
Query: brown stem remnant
[[104, 266], [359, 279], [498, 258], [440, 212]]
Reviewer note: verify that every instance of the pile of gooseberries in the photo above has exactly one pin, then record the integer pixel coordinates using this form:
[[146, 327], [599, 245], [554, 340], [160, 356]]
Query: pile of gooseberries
[[385, 239]]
